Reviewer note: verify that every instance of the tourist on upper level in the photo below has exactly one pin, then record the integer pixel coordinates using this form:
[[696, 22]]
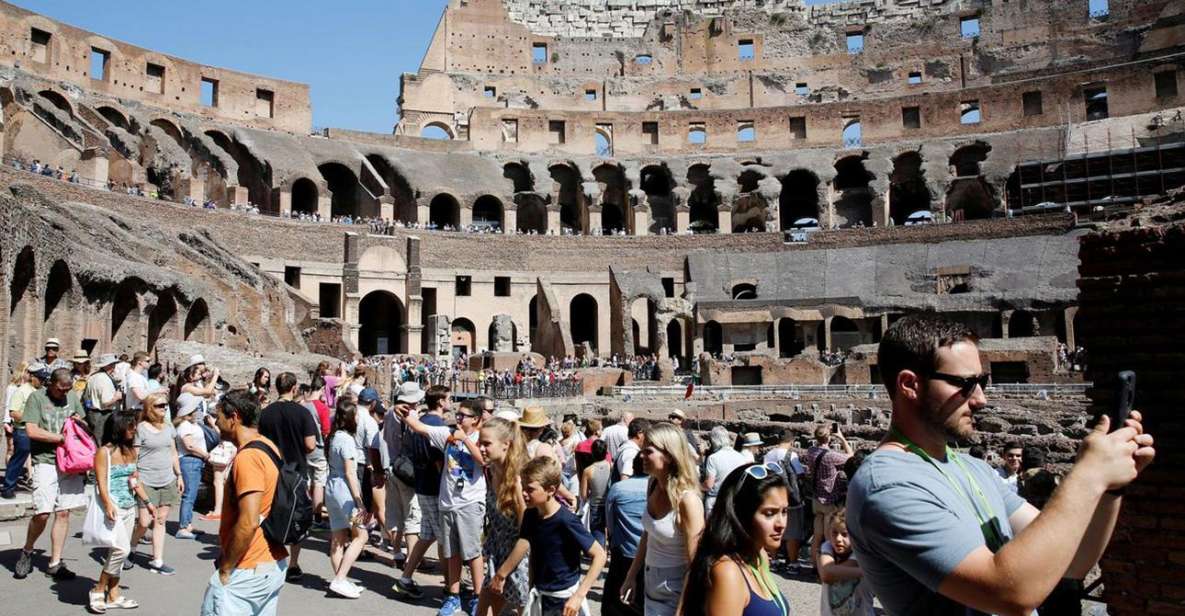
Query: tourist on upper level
[[673, 520], [730, 574], [44, 418], [719, 464], [822, 466], [940, 533]]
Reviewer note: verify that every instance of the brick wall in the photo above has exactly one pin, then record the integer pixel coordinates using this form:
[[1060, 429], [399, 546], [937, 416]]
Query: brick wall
[[1132, 316]]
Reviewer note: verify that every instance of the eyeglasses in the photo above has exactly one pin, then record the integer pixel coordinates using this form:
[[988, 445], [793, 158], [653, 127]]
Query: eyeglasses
[[966, 384], [465, 415]]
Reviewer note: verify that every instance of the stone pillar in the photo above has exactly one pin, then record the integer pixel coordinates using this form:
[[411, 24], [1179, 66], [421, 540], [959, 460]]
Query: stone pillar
[[509, 221], [826, 206], [238, 195], [387, 207], [285, 202], [1005, 318], [723, 221], [594, 221], [827, 333], [439, 334], [641, 222], [553, 221], [682, 220], [776, 351], [466, 215], [325, 207], [94, 165], [1068, 315], [423, 213]]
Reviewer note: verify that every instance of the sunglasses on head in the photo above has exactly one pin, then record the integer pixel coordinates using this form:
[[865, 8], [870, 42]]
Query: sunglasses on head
[[966, 384], [761, 471]]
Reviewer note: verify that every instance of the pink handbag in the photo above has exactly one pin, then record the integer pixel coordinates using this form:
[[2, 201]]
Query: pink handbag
[[76, 455]]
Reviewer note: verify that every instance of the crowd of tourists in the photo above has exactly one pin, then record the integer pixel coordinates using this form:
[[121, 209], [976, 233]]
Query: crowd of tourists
[[535, 510]]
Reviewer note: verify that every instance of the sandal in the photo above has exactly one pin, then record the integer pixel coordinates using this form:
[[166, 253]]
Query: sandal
[[97, 602], [123, 603]]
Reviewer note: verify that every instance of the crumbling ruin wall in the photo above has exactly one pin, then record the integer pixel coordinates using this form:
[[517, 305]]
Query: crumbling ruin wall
[[1133, 318]]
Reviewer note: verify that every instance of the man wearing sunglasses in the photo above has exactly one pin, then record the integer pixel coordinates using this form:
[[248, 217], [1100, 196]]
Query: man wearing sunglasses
[[938, 532]]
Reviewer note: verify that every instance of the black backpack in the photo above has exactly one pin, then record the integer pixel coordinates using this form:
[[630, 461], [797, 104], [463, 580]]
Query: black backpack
[[291, 516]]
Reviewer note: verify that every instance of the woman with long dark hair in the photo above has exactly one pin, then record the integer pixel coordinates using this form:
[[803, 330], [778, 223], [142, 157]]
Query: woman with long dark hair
[[729, 575], [117, 490], [343, 499]]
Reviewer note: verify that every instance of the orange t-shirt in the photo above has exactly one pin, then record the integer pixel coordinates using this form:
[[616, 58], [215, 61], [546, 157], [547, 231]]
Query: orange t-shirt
[[252, 471]]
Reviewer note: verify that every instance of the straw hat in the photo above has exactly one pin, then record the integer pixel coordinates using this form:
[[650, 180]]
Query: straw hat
[[534, 417], [81, 356], [677, 413], [53, 343], [752, 439], [105, 360]]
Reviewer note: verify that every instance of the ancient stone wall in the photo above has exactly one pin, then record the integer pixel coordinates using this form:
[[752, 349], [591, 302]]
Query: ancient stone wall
[[1133, 317]]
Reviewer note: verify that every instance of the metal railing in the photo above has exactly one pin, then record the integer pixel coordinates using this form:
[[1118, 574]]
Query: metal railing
[[1031, 390], [529, 388]]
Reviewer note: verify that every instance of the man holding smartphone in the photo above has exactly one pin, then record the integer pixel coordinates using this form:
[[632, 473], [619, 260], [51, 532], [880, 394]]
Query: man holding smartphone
[[822, 465], [938, 532]]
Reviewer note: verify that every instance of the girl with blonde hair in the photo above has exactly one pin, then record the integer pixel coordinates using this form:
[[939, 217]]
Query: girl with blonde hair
[[672, 523], [503, 446], [19, 377]]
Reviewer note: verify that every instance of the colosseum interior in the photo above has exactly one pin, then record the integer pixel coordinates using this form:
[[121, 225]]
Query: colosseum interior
[[753, 188]]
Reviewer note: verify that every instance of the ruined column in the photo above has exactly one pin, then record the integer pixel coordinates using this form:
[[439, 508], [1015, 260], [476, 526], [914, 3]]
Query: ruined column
[[324, 206], [723, 221], [682, 220], [238, 195], [594, 220], [285, 202], [553, 221], [510, 220]]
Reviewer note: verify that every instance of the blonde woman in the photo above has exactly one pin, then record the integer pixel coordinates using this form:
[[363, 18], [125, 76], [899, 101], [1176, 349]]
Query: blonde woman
[[159, 470], [503, 446], [19, 377], [672, 523]]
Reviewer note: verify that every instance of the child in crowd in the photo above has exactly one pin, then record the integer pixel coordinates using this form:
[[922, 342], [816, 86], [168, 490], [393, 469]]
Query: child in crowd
[[504, 448], [462, 500], [556, 540], [844, 592]]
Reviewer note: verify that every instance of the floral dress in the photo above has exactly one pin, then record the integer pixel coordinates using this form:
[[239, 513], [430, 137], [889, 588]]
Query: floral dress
[[501, 535]]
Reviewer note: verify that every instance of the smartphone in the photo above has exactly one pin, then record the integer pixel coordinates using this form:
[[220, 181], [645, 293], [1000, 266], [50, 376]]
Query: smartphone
[[834, 427], [1125, 397]]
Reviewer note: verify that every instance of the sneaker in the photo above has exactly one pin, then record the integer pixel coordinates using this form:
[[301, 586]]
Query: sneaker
[[24, 566], [8, 494], [294, 574], [344, 589], [186, 534], [127, 563], [160, 568], [400, 560], [60, 573], [452, 605], [407, 587]]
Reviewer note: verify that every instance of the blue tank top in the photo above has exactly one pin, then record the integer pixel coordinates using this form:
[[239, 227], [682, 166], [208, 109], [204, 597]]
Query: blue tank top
[[119, 487], [760, 606]]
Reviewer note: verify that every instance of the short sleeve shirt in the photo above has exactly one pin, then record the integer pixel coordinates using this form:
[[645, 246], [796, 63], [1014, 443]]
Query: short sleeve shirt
[[911, 528], [826, 472], [155, 463], [720, 464], [18, 400], [253, 471], [99, 387], [195, 434], [135, 380], [341, 448], [287, 424], [462, 483], [625, 458], [49, 415], [557, 544]]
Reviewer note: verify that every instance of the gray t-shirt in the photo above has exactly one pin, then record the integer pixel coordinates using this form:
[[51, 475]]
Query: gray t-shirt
[[911, 528], [462, 482], [156, 454], [341, 448], [720, 464]]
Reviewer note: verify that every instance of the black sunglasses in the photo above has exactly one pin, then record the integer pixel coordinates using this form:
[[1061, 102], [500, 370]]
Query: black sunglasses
[[966, 384]]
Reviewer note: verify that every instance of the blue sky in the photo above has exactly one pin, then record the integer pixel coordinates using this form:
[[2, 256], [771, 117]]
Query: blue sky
[[350, 52]]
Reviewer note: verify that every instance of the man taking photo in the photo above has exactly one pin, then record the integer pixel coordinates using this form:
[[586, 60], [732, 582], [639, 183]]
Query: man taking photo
[[936, 532]]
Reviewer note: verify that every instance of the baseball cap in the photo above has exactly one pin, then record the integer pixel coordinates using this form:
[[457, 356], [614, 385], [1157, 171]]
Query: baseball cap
[[368, 395], [38, 369]]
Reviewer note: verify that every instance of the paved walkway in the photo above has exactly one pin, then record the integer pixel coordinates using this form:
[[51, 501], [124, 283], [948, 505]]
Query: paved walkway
[[182, 593]]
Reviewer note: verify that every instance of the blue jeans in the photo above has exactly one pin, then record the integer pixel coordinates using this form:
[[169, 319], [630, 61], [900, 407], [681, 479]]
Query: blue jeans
[[191, 473], [20, 455], [248, 592]]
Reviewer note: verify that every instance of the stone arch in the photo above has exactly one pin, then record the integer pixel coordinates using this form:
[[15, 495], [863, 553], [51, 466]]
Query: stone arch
[[348, 196], [127, 316], [744, 290], [845, 333], [59, 288], [615, 210], [643, 310], [438, 131], [704, 201], [197, 322], [966, 161], [114, 116], [713, 338], [533, 319], [970, 199], [908, 192], [162, 320], [1022, 324], [21, 302], [171, 129], [799, 198], [658, 184], [567, 193], [531, 213], [380, 324], [790, 341], [397, 186], [305, 196], [464, 334], [582, 317], [749, 213], [254, 175], [444, 210], [488, 212], [675, 339], [57, 99], [519, 175], [749, 180], [854, 194]]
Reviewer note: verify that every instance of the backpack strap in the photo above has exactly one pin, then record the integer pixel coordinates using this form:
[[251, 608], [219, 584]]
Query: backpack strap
[[259, 444]]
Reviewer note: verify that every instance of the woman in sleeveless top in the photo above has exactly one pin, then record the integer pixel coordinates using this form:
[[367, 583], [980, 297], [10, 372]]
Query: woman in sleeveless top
[[502, 445], [729, 575], [115, 470], [594, 485], [671, 524]]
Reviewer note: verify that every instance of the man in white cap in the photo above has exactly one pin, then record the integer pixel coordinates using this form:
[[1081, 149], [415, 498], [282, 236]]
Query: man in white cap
[[402, 508], [51, 359], [101, 397]]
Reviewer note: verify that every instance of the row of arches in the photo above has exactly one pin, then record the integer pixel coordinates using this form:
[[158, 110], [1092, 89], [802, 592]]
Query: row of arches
[[94, 318]]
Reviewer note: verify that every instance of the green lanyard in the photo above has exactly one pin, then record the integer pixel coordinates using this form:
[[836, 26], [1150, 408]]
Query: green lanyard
[[765, 581], [912, 447]]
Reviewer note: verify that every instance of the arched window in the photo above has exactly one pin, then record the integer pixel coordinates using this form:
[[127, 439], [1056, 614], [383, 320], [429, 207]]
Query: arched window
[[437, 131], [744, 290]]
